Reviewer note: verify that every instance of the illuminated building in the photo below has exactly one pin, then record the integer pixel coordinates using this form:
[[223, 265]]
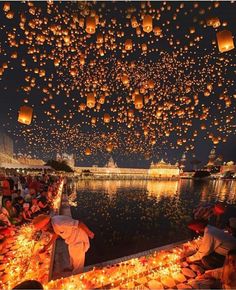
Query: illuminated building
[[163, 169]]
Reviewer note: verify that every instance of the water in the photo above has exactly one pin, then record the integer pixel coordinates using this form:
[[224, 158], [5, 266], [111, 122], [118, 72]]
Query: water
[[132, 216]]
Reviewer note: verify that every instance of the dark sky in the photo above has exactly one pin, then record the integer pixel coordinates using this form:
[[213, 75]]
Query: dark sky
[[180, 63]]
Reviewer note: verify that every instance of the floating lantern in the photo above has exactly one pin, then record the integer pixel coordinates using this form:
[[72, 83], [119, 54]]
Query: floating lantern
[[125, 79], [130, 113], [87, 151], [90, 100], [147, 23], [90, 25], [106, 118], [25, 115], [128, 44], [138, 102], [151, 84], [109, 147], [93, 120], [134, 22], [144, 47], [225, 40], [157, 31], [6, 7], [99, 38]]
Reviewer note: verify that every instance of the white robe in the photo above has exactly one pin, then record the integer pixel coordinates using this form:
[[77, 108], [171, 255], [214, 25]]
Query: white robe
[[76, 238]]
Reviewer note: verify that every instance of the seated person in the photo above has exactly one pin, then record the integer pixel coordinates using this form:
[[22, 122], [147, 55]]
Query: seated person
[[26, 214], [10, 211], [214, 246], [18, 204], [225, 277], [43, 202], [35, 209]]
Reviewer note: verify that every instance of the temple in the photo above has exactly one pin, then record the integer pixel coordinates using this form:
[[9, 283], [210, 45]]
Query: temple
[[163, 170]]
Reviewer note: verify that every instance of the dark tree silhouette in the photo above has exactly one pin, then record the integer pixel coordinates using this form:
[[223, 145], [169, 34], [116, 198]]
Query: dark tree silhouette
[[59, 165]]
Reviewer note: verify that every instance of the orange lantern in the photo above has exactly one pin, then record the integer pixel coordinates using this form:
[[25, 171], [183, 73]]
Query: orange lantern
[[125, 79], [90, 25], [147, 23], [90, 100], [82, 107], [109, 147], [138, 102], [106, 118], [225, 40], [128, 44], [25, 115], [134, 22], [87, 151]]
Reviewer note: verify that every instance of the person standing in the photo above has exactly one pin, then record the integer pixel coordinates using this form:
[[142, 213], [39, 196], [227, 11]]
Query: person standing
[[75, 233]]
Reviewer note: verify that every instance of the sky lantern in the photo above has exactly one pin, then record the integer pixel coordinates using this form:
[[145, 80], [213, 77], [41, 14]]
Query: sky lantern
[[106, 118], [144, 47], [125, 79], [151, 84], [99, 38], [6, 7], [128, 44], [87, 151], [147, 23], [109, 147], [138, 102], [25, 115], [225, 40], [130, 113], [90, 100], [157, 31], [90, 25], [134, 22]]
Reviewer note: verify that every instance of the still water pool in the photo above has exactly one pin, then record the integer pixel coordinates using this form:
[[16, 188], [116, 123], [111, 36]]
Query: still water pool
[[132, 216]]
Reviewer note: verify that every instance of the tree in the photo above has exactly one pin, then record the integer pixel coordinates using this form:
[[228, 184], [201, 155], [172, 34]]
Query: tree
[[59, 165]]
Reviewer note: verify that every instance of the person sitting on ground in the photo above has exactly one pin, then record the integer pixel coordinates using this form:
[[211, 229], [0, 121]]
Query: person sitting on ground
[[35, 209], [18, 204], [10, 211], [43, 202], [225, 277], [214, 246], [26, 214], [74, 232], [206, 212]]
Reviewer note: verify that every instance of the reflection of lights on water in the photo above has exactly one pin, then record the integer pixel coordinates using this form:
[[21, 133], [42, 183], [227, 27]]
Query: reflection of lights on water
[[162, 188]]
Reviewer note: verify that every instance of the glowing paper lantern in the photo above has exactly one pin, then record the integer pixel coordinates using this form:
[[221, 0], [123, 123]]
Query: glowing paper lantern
[[128, 44], [225, 40], [90, 100], [106, 118], [138, 102], [109, 147], [134, 22], [90, 25], [125, 79], [147, 23], [87, 151], [25, 115]]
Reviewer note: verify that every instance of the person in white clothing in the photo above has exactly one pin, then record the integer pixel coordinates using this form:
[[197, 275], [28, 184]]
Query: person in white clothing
[[75, 233], [214, 246]]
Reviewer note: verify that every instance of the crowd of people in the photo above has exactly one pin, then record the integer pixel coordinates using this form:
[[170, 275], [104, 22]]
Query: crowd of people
[[22, 198]]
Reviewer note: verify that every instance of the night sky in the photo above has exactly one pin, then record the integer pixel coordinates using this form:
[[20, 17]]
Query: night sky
[[50, 62]]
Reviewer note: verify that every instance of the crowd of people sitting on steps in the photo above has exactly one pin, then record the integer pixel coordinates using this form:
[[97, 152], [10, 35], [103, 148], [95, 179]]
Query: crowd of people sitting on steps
[[22, 198]]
